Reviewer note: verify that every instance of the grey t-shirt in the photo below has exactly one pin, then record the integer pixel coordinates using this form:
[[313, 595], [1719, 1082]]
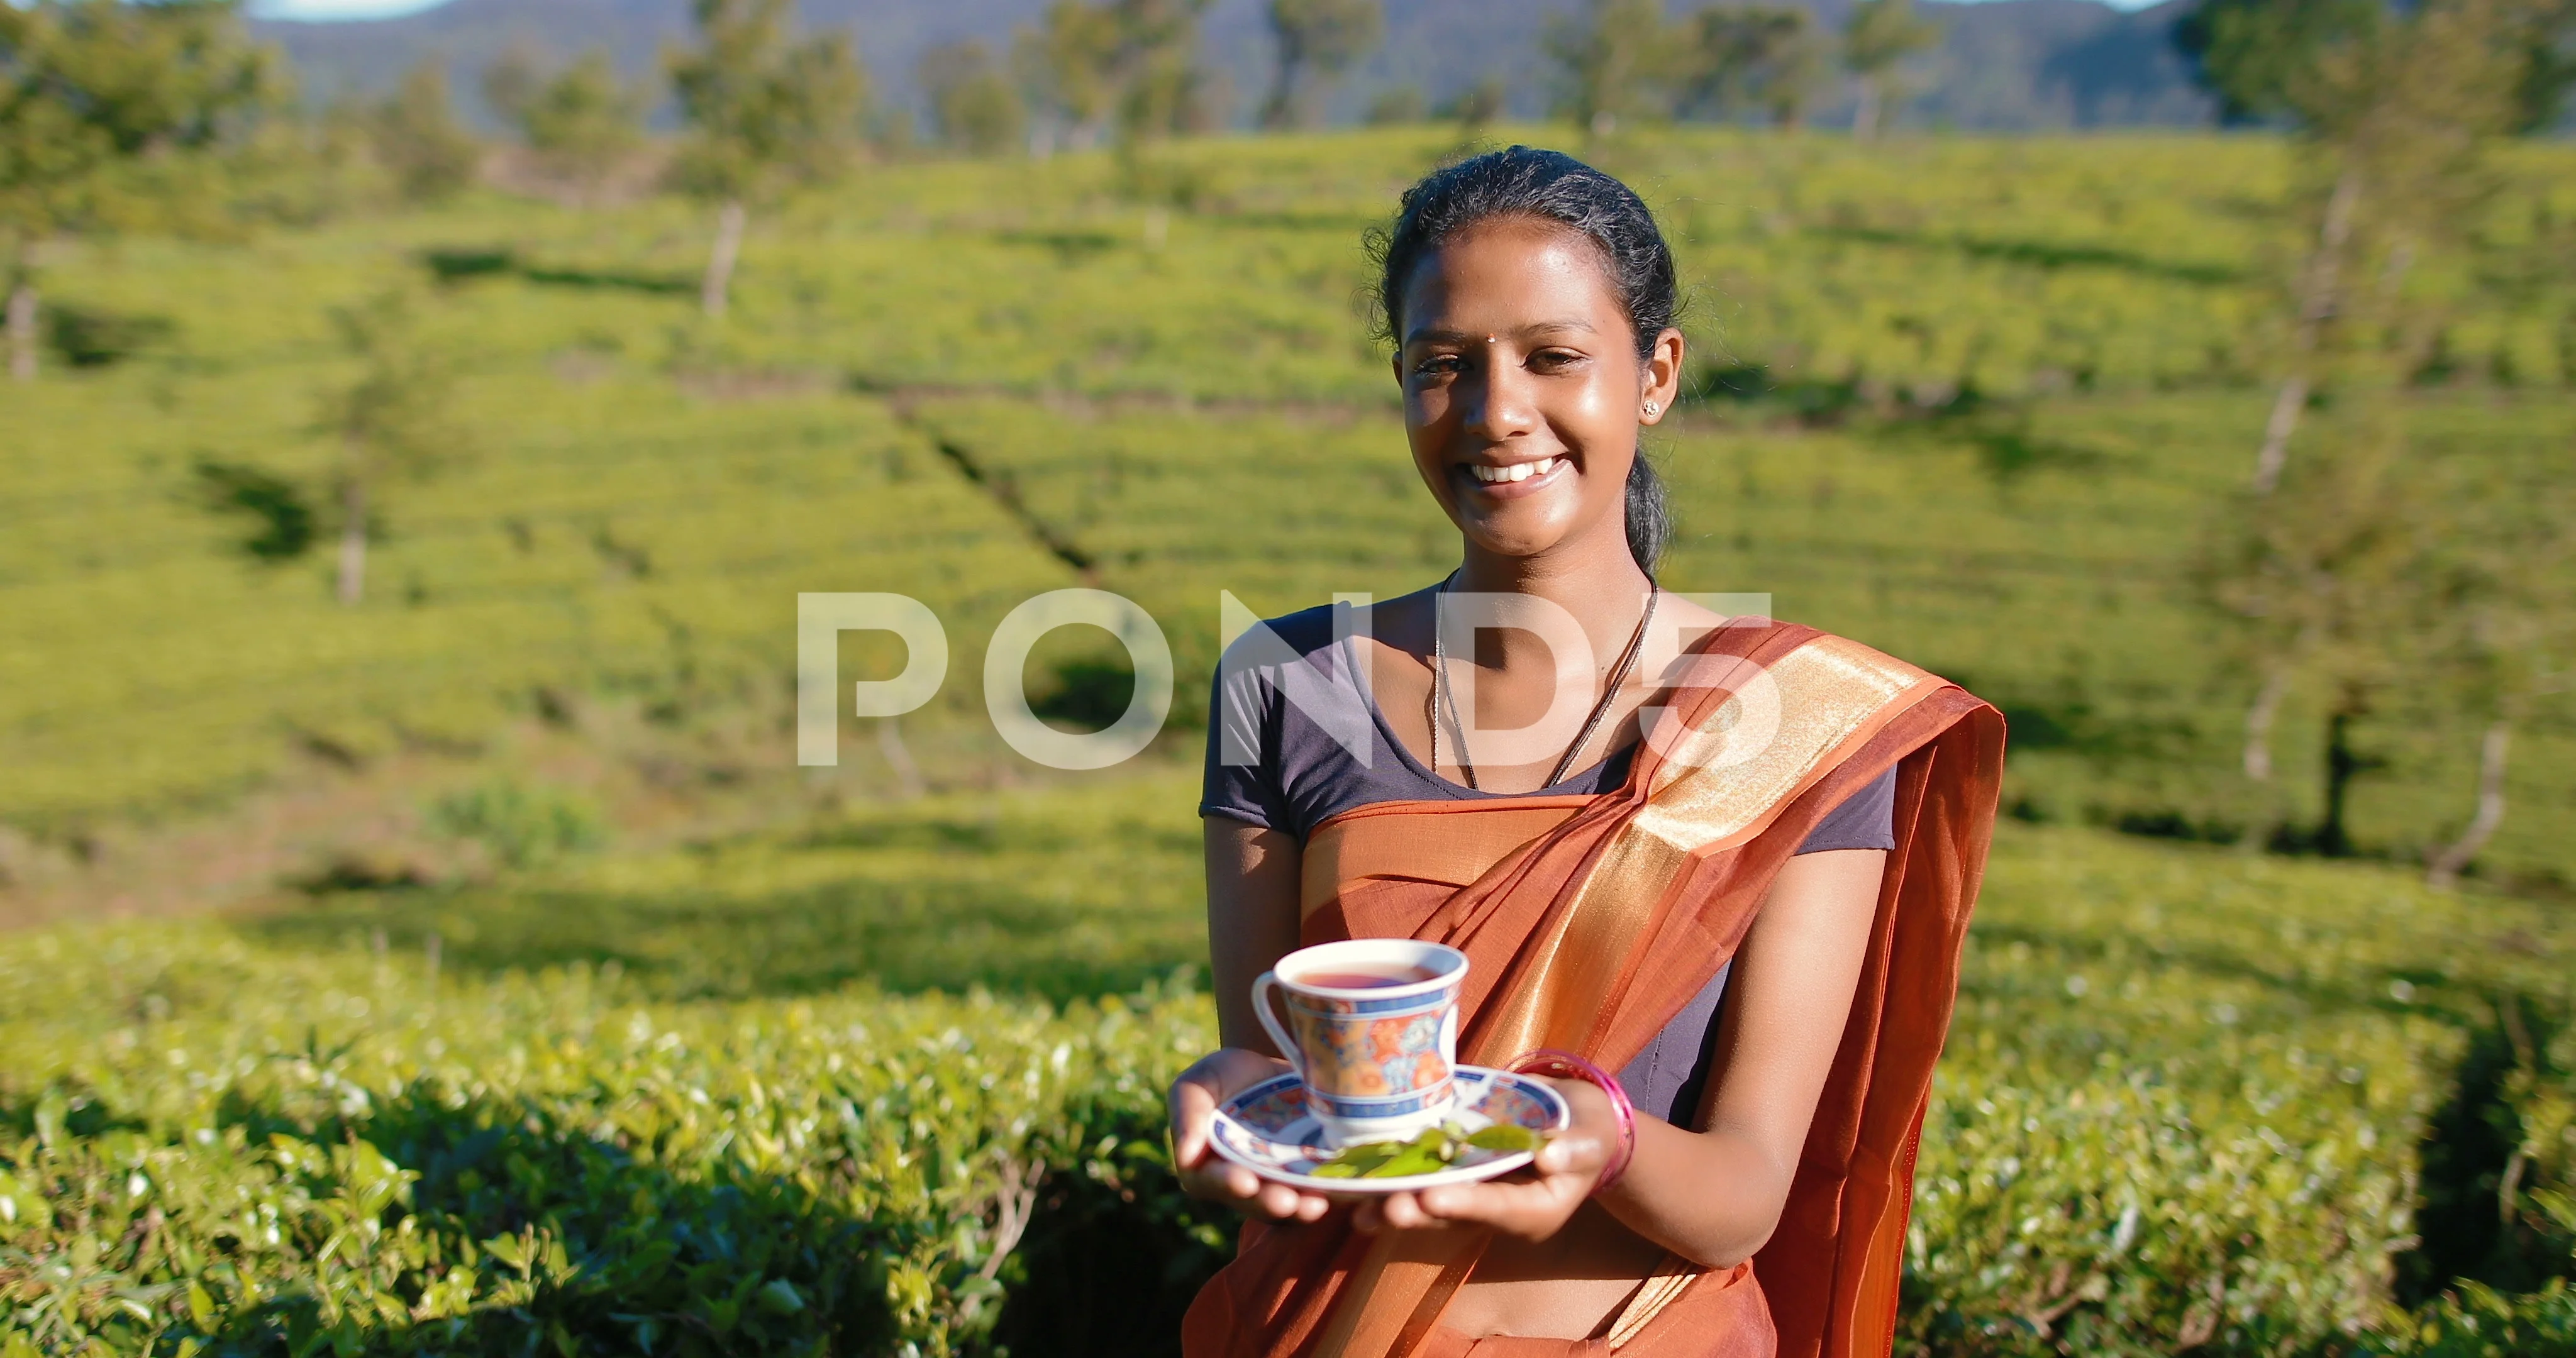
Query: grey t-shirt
[[1291, 766]]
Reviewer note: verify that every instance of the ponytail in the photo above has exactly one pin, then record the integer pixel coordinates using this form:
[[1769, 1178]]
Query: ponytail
[[1650, 519]]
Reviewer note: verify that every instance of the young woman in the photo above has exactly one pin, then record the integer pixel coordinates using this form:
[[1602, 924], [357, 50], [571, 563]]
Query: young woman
[[1740, 880]]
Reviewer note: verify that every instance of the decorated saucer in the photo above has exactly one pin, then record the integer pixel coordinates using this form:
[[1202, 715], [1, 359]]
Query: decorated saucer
[[1267, 1129]]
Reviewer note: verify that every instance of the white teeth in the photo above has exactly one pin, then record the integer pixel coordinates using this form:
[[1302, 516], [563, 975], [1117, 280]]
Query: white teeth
[[1518, 471]]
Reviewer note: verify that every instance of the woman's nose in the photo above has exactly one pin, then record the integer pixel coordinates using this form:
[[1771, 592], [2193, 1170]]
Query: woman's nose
[[1503, 403]]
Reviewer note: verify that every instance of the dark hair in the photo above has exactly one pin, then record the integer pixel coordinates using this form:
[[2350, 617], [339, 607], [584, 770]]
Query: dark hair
[[1548, 186]]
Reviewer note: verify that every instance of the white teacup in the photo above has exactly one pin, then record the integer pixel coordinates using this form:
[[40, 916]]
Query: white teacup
[[1372, 1029]]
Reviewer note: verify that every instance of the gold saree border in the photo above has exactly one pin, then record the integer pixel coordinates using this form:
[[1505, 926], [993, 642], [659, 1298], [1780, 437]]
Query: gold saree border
[[1662, 1288], [1834, 694]]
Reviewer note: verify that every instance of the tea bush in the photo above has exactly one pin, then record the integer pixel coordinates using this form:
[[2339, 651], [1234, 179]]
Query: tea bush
[[2181, 1102], [267, 1152], [2478, 1321], [2481, 1322], [521, 826]]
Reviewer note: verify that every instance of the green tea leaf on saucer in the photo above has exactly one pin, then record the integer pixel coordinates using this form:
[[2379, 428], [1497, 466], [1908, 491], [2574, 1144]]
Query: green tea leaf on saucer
[[1415, 1160], [1505, 1137], [1354, 1161]]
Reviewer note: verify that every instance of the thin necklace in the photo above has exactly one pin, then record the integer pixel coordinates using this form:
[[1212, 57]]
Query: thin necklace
[[1442, 696]]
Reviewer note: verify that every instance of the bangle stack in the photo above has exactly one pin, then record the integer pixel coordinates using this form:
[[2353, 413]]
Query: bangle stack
[[1562, 1065]]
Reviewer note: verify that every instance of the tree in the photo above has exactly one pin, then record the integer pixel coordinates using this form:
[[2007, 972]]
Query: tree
[[1880, 34], [1790, 71], [1155, 68], [92, 92], [415, 136], [2245, 52], [2548, 62], [581, 124], [1066, 63], [1613, 63], [1750, 59], [2380, 575], [2510, 606], [765, 111], [2396, 115], [1128, 63], [393, 423], [2256, 55], [2324, 582], [972, 101], [1317, 41]]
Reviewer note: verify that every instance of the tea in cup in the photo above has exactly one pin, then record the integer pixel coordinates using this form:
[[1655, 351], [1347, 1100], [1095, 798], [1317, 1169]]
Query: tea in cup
[[1371, 1028]]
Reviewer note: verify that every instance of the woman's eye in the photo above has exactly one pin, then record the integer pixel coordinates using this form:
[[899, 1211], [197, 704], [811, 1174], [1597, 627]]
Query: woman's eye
[[1438, 365], [1552, 360]]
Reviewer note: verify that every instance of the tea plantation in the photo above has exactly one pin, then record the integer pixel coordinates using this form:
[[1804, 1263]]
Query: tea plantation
[[1134, 353], [892, 1084], [877, 1069]]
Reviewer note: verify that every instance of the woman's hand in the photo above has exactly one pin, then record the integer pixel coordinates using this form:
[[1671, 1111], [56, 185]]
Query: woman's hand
[[1204, 1173], [1531, 1208]]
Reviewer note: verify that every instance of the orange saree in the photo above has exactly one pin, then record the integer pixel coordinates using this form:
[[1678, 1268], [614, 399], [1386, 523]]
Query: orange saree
[[1591, 921]]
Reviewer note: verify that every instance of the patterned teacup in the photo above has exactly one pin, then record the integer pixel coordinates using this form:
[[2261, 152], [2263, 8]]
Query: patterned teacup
[[1372, 1029]]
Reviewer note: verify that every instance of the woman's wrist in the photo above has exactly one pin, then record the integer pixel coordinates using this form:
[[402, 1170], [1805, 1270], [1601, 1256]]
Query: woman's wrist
[[1562, 1065]]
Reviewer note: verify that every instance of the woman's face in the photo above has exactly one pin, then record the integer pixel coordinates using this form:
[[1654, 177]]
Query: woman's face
[[1522, 386]]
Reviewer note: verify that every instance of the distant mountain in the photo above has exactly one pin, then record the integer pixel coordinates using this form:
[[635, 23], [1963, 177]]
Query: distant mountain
[[2005, 65]]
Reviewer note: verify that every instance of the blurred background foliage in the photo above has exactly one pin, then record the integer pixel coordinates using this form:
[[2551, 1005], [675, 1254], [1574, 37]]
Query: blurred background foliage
[[406, 477]]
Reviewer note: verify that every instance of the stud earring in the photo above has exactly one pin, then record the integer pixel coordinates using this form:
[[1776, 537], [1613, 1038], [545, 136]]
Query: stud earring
[[1653, 410]]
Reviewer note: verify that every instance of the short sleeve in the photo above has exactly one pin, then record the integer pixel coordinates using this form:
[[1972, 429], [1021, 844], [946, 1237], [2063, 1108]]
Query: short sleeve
[[1865, 820], [1241, 720]]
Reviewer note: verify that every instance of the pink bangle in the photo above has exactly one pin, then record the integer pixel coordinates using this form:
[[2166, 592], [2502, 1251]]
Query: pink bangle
[[1563, 1065]]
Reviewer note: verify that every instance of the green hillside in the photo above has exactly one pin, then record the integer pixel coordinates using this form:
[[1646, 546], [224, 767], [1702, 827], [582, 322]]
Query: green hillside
[[1136, 347]]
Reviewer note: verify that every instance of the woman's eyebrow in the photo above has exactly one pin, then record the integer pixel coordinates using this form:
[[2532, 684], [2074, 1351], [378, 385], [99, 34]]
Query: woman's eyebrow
[[1432, 335]]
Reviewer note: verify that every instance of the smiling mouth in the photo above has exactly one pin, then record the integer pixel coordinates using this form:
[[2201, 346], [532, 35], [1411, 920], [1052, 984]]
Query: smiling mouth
[[1518, 471]]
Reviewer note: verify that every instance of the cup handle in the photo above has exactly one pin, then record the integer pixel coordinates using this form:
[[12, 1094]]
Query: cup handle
[[1262, 986]]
